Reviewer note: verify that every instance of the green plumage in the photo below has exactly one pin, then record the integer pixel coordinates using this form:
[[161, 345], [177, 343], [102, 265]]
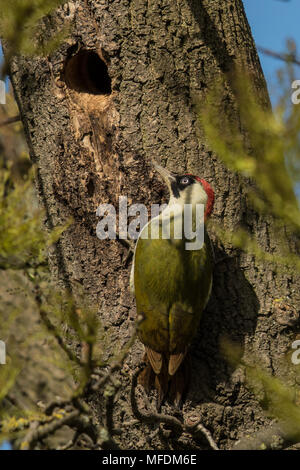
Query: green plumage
[[172, 286]]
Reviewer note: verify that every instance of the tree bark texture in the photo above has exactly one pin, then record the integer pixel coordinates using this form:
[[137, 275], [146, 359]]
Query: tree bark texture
[[93, 131]]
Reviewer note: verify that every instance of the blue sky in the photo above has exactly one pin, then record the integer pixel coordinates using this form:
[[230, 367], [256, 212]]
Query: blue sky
[[5, 446], [272, 23]]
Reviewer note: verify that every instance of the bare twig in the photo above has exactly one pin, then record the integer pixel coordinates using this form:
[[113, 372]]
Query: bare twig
[[208, 436], [268, 438], [76, 412], [71, 442], [18, 265], [194, 426], [174, 423], [118, 363], [37, 432], [56, 404], [10, 120], [286, 57], [52, 329], [152, 417]]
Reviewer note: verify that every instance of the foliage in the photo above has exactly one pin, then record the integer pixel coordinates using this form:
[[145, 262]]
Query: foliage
[[23, 239], [65, 336], [264, 147], [77, 344], [279, 400], [20, 26]]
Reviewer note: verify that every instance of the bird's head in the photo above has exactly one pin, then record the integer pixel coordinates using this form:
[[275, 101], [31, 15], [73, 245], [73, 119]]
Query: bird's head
[[188, 189]]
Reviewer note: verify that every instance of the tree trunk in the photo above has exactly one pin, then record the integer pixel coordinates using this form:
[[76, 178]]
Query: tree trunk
[[118, 93]]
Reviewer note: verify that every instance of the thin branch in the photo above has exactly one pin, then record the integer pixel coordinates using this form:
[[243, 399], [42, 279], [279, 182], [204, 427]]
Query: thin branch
[[56, 404], [272, 437], [10, 120], [71, 442], [117, 365], [152, 417], [198, 427], [286, 57], [52, 329], [80, 418], [191, 427], [18, 265], [37, 432]]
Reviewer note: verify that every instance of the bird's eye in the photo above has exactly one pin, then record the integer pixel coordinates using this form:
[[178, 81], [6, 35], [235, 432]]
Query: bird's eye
[[185, 180]]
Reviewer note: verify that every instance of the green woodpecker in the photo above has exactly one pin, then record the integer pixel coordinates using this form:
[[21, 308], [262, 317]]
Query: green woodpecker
[[172, 285]]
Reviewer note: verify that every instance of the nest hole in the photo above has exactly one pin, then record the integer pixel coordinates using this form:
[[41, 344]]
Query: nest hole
[[86, 72]]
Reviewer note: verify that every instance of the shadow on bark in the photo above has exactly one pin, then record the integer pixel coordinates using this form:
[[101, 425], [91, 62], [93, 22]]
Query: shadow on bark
[[212, 37], [231, 315]]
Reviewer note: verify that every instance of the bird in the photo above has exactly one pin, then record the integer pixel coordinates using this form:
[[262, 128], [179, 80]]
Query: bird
[[172, 285]]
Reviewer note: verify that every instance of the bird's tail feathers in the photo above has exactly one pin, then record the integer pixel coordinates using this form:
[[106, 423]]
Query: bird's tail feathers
[[172, 387]]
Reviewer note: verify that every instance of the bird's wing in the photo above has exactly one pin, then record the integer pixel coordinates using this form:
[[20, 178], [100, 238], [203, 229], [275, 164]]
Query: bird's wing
[[155, 359], [175, 361], [131, 280], [193, 294], [151, 291], [171, 289]]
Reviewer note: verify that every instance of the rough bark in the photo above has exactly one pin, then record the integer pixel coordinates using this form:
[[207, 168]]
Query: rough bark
[[91, 146]]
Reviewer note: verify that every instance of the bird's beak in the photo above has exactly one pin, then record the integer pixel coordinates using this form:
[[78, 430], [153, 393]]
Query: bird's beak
[[166, 174]]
